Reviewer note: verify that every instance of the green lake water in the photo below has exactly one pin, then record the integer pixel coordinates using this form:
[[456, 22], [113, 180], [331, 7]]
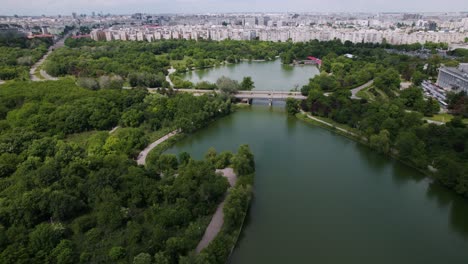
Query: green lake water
[[322, 198], [268, 75]]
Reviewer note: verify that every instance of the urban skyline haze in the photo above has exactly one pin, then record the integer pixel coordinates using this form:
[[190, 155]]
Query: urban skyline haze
[[65, 7]]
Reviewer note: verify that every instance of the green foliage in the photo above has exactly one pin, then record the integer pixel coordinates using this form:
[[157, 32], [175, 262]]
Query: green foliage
[[391, 129], [387, 81], [381, 142], [292, 106], [227, 86], [243, 162], [142, 258], [17, 53], [247, 84], [418, 77], [84, 199], [116, 253], [458, 103], [235, 210], [204, 85]]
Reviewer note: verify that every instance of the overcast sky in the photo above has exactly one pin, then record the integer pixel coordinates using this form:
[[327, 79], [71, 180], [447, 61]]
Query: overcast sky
[[51, 7]]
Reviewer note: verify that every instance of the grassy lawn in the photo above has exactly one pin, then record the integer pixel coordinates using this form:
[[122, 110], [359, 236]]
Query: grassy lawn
[[372, 94], [336, 124], [82, 138], [330, 121], [444, 118], [38, 74], [155, 135]]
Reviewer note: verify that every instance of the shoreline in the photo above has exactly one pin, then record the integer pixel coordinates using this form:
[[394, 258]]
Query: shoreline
[[330, 127], [217, 220], [141, 160]]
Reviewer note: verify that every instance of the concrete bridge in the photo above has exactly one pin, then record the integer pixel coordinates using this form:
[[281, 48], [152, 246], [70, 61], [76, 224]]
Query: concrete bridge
[[248, 96]]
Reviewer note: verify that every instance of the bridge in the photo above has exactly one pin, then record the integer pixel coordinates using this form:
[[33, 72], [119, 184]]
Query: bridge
[[248, 96]]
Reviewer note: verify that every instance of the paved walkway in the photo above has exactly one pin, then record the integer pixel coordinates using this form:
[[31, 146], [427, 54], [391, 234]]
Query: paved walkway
[[44, 74], [141, 160], [217, 220], [2, 82], [168, 78], [356, 90], [329, 124], [114, 129]]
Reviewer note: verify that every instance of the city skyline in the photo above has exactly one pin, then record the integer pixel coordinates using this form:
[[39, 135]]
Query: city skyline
[[54, 7]]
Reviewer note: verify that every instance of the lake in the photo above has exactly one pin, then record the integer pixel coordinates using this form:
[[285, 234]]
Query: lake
[[268, 75], [322, 198]]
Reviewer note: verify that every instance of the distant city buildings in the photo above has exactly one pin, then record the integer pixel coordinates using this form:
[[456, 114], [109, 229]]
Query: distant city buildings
[[454, 78], [393, 28], [275, 34]]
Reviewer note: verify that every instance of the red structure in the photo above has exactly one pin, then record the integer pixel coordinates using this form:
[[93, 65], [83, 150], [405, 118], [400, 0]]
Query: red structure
[[316, 60], [40, 36]]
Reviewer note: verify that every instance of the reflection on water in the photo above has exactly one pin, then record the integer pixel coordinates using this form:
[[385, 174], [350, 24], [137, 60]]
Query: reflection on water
[[270, 75], [322, 198]]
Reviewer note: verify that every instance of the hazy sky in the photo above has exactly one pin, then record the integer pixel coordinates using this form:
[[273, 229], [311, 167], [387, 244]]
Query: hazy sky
[[50, 7]]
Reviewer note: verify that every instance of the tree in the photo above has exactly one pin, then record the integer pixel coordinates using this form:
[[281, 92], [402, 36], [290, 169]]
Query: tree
[[381, 142], [389, 79], [184, 158], [247, 84], [227, 85], [292, 106], [411, 148], [418, 77], [64, 253], [243, 162], [132, 118], [167, 162], [142, 258], [116, 253], [8, 164], [431, 107], [111, 82], [87, 82]]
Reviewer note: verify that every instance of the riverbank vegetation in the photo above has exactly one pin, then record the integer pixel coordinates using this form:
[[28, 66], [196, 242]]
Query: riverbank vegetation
[[65, 199], [18, 54], [235, 208], [391, 129]]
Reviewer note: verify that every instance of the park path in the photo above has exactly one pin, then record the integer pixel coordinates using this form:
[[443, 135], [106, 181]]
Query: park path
[[329, 124], [2, 82], [141, 160], [44, 74], [357, 89], [168, 78], [217, 220], [114, 129]]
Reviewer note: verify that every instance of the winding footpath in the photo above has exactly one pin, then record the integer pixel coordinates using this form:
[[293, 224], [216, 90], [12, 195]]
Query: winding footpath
[[217, 220], [357, 89], [44, 74], [141, 160], [168, 77]]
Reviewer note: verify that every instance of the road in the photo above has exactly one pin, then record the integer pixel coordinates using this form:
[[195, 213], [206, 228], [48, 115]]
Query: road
[[47, 77], [357, 89], [141, 160], [217, 220]]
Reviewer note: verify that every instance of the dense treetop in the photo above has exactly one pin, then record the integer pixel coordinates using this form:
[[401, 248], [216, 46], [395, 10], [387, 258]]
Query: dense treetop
[[65, 198], [18, 53]]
